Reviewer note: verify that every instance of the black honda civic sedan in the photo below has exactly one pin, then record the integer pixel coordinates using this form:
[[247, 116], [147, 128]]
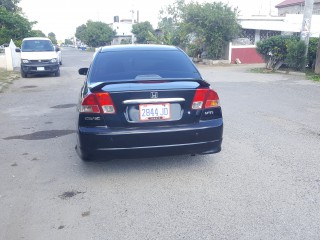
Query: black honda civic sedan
[[146, 101]]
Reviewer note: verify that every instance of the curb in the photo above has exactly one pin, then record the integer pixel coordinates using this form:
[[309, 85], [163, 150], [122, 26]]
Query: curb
[[292, 73]]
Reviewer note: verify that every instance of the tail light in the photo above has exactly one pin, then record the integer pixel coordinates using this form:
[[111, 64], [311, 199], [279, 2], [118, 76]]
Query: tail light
[[205, 98], [98, 103]]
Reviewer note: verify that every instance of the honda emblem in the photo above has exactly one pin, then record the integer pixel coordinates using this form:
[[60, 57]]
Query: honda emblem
[[154, 94]]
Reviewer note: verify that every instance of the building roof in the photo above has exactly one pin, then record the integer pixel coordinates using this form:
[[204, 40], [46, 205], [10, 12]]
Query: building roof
[[290, 3]]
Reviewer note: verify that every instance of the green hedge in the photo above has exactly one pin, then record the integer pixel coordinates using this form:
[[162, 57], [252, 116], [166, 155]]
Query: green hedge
[[287, 50]]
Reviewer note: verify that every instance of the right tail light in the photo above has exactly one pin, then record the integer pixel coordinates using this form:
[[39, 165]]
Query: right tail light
[[205, 98]]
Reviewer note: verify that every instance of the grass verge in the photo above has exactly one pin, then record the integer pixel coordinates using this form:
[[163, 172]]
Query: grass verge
[[309, 74], [312, 76], [6, 77], [261, 70]]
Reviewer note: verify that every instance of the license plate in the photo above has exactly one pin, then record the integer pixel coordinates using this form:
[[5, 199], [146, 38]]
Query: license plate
[[154, 111], [40, 68]]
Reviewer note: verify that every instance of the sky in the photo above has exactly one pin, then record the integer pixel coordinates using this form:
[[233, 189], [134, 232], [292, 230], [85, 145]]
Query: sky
[[62, 17]]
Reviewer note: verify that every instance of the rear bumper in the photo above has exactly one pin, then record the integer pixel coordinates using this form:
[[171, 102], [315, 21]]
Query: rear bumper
[[102, 142]]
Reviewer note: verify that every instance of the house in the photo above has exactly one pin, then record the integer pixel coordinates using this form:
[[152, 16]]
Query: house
[[255, 29], [123, 30], [260, 28], [296, 7]]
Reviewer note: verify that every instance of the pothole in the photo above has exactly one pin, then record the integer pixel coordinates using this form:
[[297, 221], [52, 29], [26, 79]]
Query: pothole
[[42, 135], [69, 194]]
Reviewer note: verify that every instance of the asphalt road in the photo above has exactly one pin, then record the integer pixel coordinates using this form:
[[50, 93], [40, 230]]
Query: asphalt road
[[264, 184]]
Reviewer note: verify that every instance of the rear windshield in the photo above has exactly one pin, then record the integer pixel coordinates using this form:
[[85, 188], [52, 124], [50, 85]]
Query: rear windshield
[[134, 64], [36, 46]]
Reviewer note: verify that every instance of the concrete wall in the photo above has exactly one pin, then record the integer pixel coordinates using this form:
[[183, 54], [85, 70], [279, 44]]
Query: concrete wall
[[10, 59], [3, 61], [298, 9], [245, 54]]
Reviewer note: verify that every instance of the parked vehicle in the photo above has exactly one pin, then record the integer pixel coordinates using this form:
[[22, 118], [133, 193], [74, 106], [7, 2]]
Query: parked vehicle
[[146, 100], [38, 56], [58, 51]]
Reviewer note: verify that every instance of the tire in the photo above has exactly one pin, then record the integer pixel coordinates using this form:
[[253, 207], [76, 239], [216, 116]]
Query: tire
[[57, 73], [24, 75]]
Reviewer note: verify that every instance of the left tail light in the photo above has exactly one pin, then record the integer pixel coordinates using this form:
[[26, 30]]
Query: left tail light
[[205, 98], [98, 103]]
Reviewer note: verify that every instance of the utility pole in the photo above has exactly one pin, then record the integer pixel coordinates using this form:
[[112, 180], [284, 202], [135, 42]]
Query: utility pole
[[306, 23], [132, 22]]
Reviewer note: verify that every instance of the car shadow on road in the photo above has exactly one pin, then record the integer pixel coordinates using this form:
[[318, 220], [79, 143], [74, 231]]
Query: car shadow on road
[[147, 164]]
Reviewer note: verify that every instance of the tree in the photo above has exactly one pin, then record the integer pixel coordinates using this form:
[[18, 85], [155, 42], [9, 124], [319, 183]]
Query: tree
[[171, 33], [171, 26], [201, 28], [13, 26], [213, 24], [11, 5], [95, 34], [68, 42], [81, 32], [141, 31], [37, 33], [52, 37]]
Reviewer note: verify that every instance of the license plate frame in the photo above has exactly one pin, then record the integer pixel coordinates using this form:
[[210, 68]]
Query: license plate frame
[[154, 112]]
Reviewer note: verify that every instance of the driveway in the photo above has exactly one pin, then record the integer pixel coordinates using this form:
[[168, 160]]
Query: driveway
[[264, 184]]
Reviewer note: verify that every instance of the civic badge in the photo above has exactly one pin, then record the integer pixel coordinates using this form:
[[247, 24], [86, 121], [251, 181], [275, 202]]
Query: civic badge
[[154, 94]]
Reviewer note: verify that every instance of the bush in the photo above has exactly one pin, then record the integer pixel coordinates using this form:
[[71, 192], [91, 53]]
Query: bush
[[296, 58], [274, 50], [312, 52]]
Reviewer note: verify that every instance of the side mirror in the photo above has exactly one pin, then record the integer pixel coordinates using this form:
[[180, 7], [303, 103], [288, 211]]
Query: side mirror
[[18, 50], [83, 71]]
